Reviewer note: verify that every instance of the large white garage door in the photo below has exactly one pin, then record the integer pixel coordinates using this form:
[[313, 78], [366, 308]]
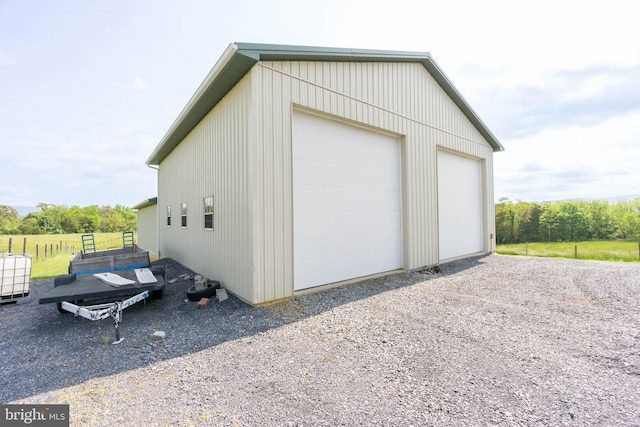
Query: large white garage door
[[346, 201], [459, 205]]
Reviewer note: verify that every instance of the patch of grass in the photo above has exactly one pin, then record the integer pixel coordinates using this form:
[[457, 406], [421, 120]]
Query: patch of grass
[[60, 249], [601, 250]]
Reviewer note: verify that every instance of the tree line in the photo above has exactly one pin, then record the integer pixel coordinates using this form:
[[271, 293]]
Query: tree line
[[574, 221], [56, 219], [516, 222]]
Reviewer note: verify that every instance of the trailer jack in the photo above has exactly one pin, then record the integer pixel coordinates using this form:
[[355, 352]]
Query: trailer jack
[[102, 311]]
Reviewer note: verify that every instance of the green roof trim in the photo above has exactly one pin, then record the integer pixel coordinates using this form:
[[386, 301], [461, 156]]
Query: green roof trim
[[149, 202], [239, 58]]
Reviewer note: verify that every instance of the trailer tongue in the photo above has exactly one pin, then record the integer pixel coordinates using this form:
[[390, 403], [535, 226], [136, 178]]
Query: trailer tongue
[[102, 311]]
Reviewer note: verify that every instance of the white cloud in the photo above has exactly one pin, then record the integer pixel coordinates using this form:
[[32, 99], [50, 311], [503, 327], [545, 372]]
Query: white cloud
[[136, 83], [139, 83], [86, 167], [522, 42], [5, 59], [600, 160]]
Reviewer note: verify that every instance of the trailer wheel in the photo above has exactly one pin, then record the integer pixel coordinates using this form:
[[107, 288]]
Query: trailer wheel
[[197, 294], [156, 294]]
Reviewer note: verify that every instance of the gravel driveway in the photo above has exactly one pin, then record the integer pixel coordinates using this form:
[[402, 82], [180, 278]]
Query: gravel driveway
[[492, 340]]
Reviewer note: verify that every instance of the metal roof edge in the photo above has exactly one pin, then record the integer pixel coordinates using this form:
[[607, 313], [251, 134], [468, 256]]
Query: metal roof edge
[[186, 120], [261, 51], [434, 69], [149, 202]]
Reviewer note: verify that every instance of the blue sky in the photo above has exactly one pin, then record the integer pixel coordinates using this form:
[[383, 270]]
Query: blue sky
[[89, 88]]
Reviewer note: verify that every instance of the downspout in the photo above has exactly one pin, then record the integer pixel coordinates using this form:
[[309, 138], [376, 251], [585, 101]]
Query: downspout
[[157, 168]]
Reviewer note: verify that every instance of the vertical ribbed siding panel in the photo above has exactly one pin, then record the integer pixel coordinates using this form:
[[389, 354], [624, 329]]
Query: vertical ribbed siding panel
[[273, 251], [399, 98], [211, 161], [148, 229]]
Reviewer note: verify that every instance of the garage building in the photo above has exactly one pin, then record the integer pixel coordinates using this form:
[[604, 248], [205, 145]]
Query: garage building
[[147, 226], [295, 167]]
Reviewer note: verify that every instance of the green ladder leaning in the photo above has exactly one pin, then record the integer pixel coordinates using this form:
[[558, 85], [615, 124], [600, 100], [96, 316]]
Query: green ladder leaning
[[88, 243], [127, 239]]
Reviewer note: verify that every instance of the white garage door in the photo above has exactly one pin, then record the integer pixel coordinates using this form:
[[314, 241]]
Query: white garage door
[[459, 205], [346, 201]]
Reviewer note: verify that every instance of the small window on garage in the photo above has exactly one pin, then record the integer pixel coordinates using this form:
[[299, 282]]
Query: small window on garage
[[169, 216], [208, 213], [183, 213]]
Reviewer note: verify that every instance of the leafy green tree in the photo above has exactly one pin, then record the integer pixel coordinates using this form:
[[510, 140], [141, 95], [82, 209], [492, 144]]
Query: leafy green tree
[[110, 220], [29, 225], [626, 219], [550, 222], [50, 218], [600, 221], [9, 220], [71, 221], [505, 220], [90, 219]]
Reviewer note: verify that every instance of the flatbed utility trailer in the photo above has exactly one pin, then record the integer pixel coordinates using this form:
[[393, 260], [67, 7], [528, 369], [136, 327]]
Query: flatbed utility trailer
[[110, 280]]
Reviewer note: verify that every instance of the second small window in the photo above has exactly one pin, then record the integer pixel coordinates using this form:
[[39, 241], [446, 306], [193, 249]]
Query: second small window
[[183, 213], [208, 213]]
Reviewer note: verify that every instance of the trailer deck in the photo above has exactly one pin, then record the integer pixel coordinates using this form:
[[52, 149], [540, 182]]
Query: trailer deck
[[87, 287]]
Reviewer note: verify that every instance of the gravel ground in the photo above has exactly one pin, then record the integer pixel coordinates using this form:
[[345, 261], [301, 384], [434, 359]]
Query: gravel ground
[[492, 340]]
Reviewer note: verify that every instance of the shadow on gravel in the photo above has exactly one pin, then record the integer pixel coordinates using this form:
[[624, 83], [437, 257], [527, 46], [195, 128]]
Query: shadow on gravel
[[43, 350]]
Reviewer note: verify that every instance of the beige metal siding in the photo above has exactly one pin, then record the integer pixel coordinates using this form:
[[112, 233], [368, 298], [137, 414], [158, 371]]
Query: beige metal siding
[[400, 98], [148, 230], [211, 161]]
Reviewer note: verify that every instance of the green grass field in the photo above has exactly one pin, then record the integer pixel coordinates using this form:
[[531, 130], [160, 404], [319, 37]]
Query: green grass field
[[60, 249], [603, 250]]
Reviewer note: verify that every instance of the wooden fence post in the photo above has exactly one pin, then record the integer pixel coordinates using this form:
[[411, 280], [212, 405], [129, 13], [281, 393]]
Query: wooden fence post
[[45, 251], [37, 250], [24, 246], [575, 252], [10, 244]]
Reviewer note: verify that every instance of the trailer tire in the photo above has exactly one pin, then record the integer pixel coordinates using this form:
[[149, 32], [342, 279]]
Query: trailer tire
[[60, 309], [156, 294], [197, 294]]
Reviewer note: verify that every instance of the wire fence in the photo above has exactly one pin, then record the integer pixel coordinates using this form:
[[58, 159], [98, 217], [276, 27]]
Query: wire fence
[[41, 248]]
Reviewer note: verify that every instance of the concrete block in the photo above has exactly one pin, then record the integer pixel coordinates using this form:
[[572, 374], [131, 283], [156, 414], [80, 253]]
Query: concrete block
[[221, 294], [159, 335]]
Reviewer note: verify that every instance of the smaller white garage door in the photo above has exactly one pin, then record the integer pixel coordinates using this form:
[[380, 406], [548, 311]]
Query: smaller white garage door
[[459, 205], [346, 201]]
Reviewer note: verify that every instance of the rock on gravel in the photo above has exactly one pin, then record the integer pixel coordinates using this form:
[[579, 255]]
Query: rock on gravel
[[493, 340]]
